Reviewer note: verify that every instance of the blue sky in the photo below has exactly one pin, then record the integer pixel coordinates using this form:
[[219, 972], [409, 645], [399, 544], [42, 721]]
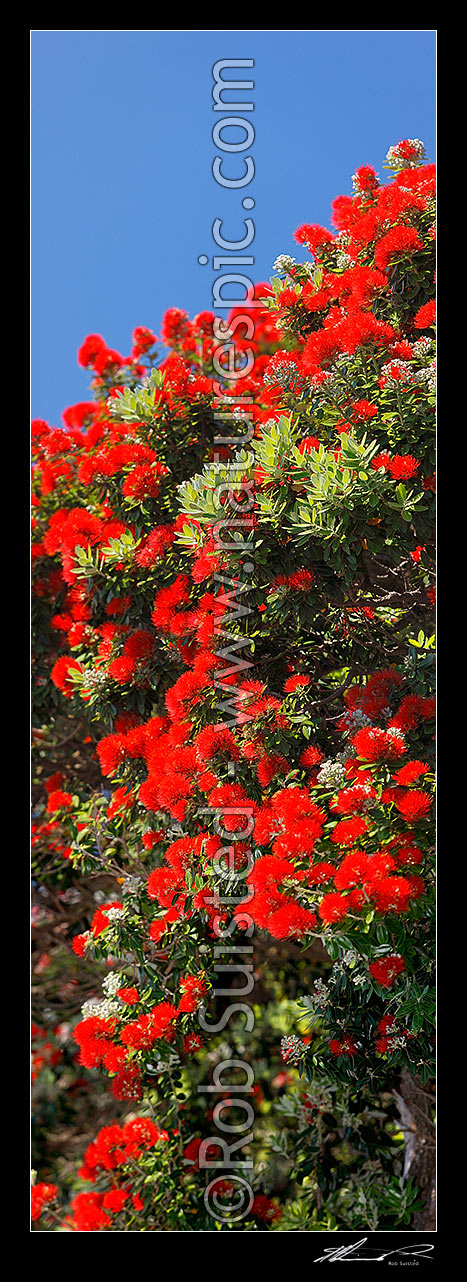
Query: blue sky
[[123, 196]]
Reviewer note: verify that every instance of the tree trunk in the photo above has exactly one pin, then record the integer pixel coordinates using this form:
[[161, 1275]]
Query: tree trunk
[[415, 1103]]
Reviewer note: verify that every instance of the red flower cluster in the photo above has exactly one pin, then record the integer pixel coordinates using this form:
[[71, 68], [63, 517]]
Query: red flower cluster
[[385, 972], [41, 1196], [321, 786]]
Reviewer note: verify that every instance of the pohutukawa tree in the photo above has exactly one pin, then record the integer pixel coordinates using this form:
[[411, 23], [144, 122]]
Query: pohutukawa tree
[[233, 596]]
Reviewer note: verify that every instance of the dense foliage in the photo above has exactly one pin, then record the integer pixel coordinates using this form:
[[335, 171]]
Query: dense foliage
[[233, 742]]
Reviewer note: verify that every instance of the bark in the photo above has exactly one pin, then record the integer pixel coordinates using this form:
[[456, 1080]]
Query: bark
[[416, 1105]]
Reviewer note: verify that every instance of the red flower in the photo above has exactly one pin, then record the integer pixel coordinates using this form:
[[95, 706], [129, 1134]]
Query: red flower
[[333, 907], [294, 683], [143, 340], [391, 894], [128, 995], [193, 988], [342, 1046], [413, 805], [395, 244], [348, 830], [403, 467], [60, 674], [115, 1200], [79, 943], [313, 236], [93, 346], [191, 1154], [41, 1196], [265, 1209], [88, 1213], [426, 316], [410, 772], [385, 972], [379, 745]]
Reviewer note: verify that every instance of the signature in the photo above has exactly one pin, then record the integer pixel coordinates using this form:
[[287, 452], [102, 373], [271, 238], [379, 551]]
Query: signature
[[358, 1251]]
